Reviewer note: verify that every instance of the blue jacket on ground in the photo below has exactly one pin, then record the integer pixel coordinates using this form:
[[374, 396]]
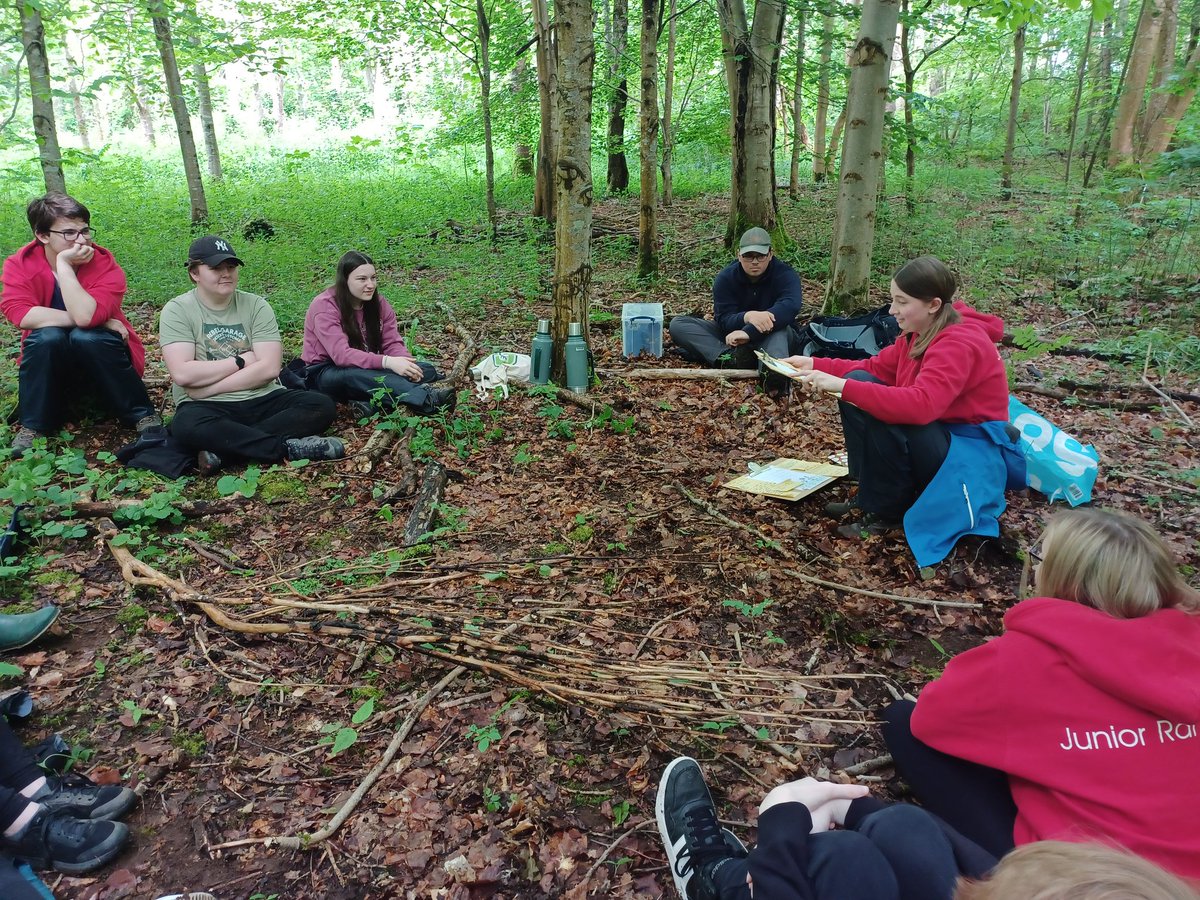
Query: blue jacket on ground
[[966, 495], [777, 291]]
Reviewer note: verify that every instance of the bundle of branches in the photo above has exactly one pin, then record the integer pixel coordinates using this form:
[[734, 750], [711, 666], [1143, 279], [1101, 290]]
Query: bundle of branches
[[576, 654]]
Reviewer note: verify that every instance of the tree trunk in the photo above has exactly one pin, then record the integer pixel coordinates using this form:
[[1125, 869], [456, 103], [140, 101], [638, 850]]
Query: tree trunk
[[1080, 72], [752, 75], [618, 40], [45, 128], [280, 116], [183, 122], [544, 189], [1137, 75], [143, 111], [797, 108], [208, 124], [483, 34], [910, 132], [574, 21], [76, 70], [1160, 135], [822, 117], [862, 155], [1014, 107], [648, 215], [668, 140], [1164, 69]]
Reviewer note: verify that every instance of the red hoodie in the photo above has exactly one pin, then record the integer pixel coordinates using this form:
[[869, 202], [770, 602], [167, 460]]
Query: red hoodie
[[959, 379], [1093, 718], [28, 282]]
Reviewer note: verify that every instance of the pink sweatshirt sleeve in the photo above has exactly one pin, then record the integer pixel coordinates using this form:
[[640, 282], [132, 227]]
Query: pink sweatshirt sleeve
[[324, 339]]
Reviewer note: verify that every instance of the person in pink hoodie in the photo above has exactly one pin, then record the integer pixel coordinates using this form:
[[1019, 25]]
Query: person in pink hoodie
[[353, 351], [1079, 723]]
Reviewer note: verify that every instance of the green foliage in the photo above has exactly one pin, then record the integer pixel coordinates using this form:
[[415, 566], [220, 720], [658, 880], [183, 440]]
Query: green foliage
[[245, 484], [132, 618], [340, 737], [748, 609]]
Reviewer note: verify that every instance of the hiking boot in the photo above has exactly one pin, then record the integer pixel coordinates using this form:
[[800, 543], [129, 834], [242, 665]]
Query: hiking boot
[[361, 409], [146, 423], [687, 820], [22, 441], [777, 387], [57, 839], [839, 508], [85, 798], [870, 524], [314, 447], [208, 463], [442, 399], [21, 629]]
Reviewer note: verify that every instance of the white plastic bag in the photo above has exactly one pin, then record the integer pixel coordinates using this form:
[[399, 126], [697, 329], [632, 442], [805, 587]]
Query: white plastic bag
[[497, 371]]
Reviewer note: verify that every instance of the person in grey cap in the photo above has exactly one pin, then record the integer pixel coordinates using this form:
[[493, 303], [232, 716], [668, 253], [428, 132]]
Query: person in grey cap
[[756, 299], [223, 351]]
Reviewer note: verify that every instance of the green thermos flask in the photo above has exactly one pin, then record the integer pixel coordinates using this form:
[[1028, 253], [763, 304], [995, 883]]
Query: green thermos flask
[[576, 354], [542, 353]]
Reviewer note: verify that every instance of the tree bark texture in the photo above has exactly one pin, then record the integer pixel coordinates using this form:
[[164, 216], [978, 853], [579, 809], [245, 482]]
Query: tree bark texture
[[821, 119], [1080, 73], [648, 209], [544, 190], [45, 128], [668, 142], [208, 125], [1137, 76], [752, 75], [1014, 107], [183, 122], [797, 107], [618, 41], [81, 117], [862, 155], [574, 21], [483, 35]]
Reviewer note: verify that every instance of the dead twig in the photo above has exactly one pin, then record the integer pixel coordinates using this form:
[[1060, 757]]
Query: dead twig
[[463, 360], [807, 552], [681, 374], [869, 765], [880, 595], [101, 509], [377, 443], [613, 846]]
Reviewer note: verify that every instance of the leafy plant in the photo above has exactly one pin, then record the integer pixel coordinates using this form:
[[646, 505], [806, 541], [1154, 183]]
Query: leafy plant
[[245, 484], [621, 812], [133, 712], [753, 610], [483, 736], [341, 737]]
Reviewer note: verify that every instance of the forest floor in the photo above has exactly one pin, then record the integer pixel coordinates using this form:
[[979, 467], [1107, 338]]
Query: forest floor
[[610, 606]]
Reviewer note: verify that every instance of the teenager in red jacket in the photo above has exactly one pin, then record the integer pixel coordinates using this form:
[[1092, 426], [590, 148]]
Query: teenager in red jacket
[[1079, 722], [65, 294], [896, 407]]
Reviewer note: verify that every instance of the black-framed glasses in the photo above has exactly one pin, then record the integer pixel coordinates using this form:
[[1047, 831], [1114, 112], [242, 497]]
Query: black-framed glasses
[[71, 234], [755, 257]]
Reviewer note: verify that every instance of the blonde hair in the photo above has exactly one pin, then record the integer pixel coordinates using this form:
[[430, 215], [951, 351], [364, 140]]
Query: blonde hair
[[927, 278], [1054, 870], [1113, 562]]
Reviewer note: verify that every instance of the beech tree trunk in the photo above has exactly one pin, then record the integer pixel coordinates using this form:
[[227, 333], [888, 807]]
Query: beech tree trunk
[[183, 122], [574, 21], [81, 118], [544, 190], [618, 41], [797, 107], [1177, 104], [45, 127], [1137, 76], [483, 35], [821, 119], [1014, 107], [668, 141], [1164, 68], [208, 124], [648, 210], [862, 155], [752, 75]]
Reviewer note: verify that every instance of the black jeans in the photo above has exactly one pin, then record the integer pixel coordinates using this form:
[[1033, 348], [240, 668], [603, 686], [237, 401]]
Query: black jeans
[[251, 429], [975, 800], [893, 463], [60, 364], [704, 341], [18, 767], [349, 383]]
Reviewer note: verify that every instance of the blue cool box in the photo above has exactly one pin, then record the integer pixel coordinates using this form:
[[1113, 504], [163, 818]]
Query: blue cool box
[[641, 329]]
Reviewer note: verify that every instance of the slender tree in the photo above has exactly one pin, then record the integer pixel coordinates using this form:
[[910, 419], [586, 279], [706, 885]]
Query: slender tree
[[208, 124], [1014, 107], [648, 215], [45, 126], [617, 40], [668, 100], [546, 54], [821, 117], [797, 104]]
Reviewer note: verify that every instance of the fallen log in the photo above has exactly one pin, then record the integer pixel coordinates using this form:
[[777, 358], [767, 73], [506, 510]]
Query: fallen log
[[420, 520], [680, 374]]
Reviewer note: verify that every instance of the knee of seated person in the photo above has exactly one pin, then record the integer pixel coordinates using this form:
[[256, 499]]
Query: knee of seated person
[[898, 714], [42, 339], [851, 863], [862, 375], [900, 821], [680, 322], [84, 338]]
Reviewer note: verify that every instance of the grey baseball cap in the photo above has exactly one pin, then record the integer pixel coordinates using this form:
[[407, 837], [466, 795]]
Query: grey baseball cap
[[756, 240]]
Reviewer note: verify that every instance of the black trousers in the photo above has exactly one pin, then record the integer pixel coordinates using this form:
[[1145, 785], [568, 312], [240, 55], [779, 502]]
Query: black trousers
[[349, 383], [61, 364], [704, 341], [893, 463], [18, 767], [975, 800], [252, 429]]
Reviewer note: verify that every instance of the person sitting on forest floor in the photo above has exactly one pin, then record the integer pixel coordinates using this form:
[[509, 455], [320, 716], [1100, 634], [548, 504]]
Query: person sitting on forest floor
[[64, 293], [756, 299], [223, 350], [354, 353], [1079, 722]]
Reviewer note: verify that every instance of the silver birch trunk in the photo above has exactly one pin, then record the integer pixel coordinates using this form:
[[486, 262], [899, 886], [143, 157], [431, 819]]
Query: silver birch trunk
[[183, 122], [574, 21], [862, 155], [668, 141], [648, 210], [1014, 108], [81, 117], [208, 125], [45, 127]]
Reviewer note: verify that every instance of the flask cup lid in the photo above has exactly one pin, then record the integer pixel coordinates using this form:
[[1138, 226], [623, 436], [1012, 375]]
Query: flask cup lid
[[574, 330], [543, 326]]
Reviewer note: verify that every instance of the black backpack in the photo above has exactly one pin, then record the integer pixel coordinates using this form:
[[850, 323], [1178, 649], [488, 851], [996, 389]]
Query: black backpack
[[857, 337]]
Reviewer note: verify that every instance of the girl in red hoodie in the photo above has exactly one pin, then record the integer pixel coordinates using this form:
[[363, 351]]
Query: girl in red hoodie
[[1080, 722]]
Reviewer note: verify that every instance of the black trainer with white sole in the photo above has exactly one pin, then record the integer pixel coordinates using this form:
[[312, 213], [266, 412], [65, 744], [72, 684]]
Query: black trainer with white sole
[[694, 840], [84, 797]]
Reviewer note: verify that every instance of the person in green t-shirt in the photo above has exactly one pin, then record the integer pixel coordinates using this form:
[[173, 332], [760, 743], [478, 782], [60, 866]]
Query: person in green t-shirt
[[223, 351]]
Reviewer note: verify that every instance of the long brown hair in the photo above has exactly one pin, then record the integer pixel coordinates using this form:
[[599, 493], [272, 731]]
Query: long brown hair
[[372, 341], [927, 279]]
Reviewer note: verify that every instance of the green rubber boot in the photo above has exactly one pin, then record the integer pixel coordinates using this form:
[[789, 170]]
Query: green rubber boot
[[24, 628]]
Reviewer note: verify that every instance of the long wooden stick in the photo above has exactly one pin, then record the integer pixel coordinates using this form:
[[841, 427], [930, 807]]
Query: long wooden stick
[[681, 374]]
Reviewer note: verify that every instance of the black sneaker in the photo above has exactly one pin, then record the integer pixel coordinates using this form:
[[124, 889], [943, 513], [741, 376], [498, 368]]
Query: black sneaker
[[441, 399], [86, 799], [57, 839], [208, 463], [870, 524], [777, 387], [315, 447], [694, 840], [839, 508], [361, 409]]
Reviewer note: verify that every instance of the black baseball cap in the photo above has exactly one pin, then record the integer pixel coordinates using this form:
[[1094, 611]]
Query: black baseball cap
[[212, 251]]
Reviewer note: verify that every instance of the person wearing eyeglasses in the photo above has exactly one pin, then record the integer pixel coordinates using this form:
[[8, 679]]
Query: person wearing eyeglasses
[[756, 299], [64, 293]]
